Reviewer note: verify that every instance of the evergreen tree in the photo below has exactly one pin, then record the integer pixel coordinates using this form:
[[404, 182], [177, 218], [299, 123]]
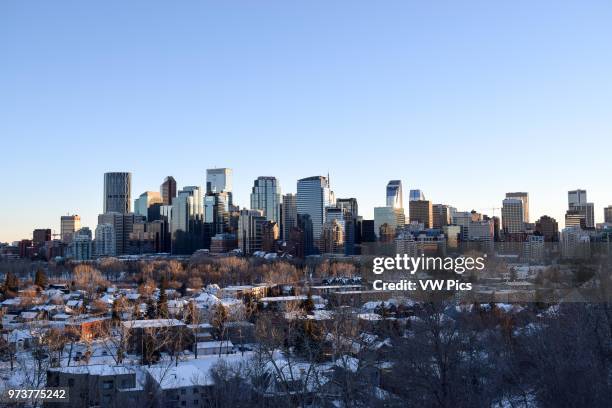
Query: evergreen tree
[[11, 285], [308, 304], [115, 312], [151, 312], [40, 279]]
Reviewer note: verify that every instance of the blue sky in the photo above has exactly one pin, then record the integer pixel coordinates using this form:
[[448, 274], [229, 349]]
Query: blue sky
[[463, 99]]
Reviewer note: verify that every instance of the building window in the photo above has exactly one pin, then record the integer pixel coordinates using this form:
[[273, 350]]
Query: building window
[[107, 385]]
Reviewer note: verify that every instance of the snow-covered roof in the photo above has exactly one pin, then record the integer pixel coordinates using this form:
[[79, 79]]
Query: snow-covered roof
[[215, 344], [137, 324]]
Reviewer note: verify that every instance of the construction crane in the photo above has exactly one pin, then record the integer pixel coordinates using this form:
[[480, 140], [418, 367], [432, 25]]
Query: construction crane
[[490, 208]]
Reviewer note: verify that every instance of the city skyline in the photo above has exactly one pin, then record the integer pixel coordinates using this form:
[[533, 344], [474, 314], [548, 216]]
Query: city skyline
[[366, 213], [463, 103]]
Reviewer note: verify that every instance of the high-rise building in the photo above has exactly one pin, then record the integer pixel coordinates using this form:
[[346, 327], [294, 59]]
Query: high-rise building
[[118, 192], [576, 197], [266, 196], [216, 215], [81, 247], [219, 180], [146, 200], [69, 224], [416, 195], [313, 195], [389, 219], [250, 231], [481, 231], [122, 227], [512, 216], [40, 236], [333, 237], [421, 211], [288, 215], [168, 190], [588, 211], [524, 197], [105, 240], [575, 243], [187, 220], [441, 215], [462, 219], [608, 214], [395, 197], [579, 208], [548, 228]]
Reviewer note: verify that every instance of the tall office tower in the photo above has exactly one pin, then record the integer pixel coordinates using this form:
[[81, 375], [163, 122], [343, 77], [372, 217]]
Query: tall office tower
[[576, 197], [313, 195], [288, 215], [588, 211], [416, 195], [105, 244], [421, 211], [118, 192], [219, 180], [68, 225], [40, 236], [81, 247], [575, 243], [349, 204], [608, 214], [352, 234], [146, 200], [441, 215], [389, 219], [122, 226], [168, 190], [250, 230], [187, 220], [333, 237], [548, 227], [578, 206], [395, 196], [216, 214], [524, 197], [575, 218], [481, 231], [462, 219], [512, 216], [266, 196]]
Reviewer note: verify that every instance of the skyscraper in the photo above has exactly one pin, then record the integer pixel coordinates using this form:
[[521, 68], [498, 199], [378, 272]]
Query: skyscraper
[[168, 190], [421, 211], [219, 180], [388, 217], [578, 206], [441, 215], [69, 224], [524, 197], [118, 192], [395, 196], [608, 214], [548, 227], [266, 196], [122, 227], [104, 244], [416, 195], [146, 199], [187, 220], [576, 197], [313, 195], [288, 215], [512, 216], [250, 230]]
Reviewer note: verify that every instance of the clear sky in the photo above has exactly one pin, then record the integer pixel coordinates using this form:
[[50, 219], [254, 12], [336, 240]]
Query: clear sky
[[463, 99]]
